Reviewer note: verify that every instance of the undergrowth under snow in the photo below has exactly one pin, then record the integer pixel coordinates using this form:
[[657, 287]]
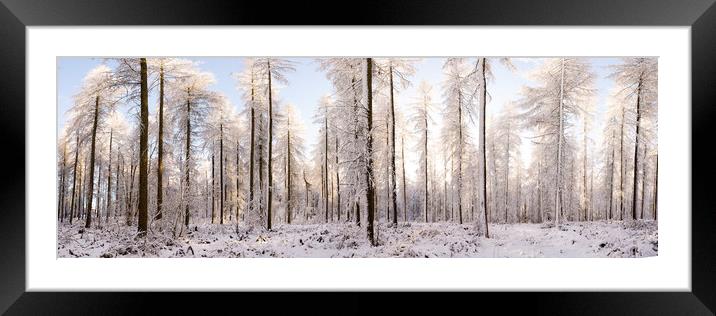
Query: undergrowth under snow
[[576, 239]]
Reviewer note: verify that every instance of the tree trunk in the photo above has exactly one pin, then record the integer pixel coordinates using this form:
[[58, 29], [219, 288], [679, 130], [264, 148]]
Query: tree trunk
[[656, 187], [109, 177], [238, 176], [611, 182], [539, 191], [405, 184], [585, 206], [507, 171], [143, 149], [643, 184], [393, 185], [252, 156], [459, 157], [636, 147], [61, 201], [221, 173], [116, 184], [325, 164], [425, 158], [370, 191], [288, 171], [622, 169], [270, 146], [90, 188], [74, 177], [558, 191], [483, 149], [388, 200], [213, 184], [160, 145], [338, 183], [187, 159]]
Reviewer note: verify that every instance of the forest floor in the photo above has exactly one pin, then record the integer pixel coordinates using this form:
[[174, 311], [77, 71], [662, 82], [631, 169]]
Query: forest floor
[[571, 240]]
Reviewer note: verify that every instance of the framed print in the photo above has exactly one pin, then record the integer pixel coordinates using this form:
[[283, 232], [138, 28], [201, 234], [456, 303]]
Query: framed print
[[411, 147]]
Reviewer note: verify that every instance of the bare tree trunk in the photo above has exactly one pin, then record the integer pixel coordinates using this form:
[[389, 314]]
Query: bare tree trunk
[[213, 184], [160, 145], [338, 183], [116, 184], [61, 201], [109, 177], [425, 158], [507, 172], [325, 164], [238, 176], [221, 173], [611, 182], [143, 149], [405, 184], [288, 172], [459, 157], [252, 156], [643, 184], [539, 191], [483, 149], [393, 185], [585, 206], [656, 187], [636, 147], [622, 169], [74, 177], [269, 205], [90, 188], [558, 191], [187, 159], [370, 191]]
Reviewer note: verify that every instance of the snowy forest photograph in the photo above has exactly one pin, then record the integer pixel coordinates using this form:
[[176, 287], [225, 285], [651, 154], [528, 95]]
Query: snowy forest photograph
[[357, 157]]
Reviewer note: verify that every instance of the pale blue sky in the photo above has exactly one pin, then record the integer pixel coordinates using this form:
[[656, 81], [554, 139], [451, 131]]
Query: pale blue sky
[[307, 84]]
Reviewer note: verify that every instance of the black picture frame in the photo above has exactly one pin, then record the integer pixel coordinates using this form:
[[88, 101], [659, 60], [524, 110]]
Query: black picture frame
[[16, 15]]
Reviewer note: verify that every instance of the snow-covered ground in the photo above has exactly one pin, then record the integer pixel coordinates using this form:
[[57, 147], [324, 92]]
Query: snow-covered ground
[[579, 239]]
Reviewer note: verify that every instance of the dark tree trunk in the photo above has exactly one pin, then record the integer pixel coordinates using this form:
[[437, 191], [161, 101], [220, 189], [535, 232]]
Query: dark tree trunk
[[611, 183], [425, 159], [405, 184], [338, 183], [388, 200], [61, 201], [213, 185], [109, 178], [74, 177], [483, 154], [116, 185], [238, 176], [656, 187], [221, 173], [636, 148], [251, 148], [459, 157], [288, 174], [187, 157], [143, 150], [325, 164], [130, 200], [393, 187], [643, 184], [269, 205], [90, 187], [370, 191], [507, 172], [622, 168], [160, 145]]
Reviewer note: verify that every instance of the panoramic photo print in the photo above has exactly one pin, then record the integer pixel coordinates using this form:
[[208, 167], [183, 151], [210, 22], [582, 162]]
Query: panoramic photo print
[[343, 157]]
